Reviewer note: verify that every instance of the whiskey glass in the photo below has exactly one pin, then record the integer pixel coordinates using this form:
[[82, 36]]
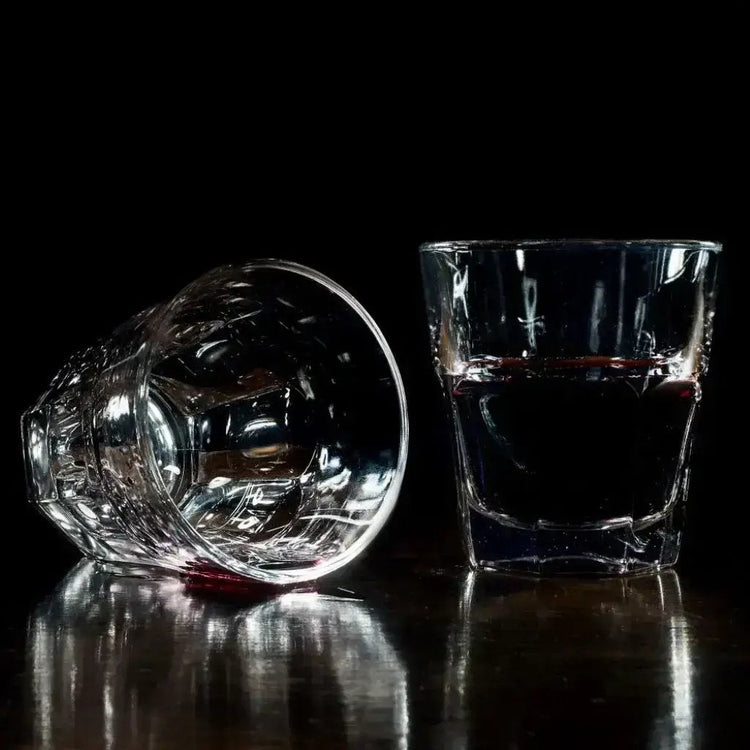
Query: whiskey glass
[[572, 374], [254, 426]]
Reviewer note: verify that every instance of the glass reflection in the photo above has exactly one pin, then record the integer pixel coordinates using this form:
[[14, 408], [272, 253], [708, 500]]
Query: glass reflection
[[531, 661], [125, 662]]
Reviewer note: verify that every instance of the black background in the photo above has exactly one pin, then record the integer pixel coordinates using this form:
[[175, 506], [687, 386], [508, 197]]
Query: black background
[[124, 196]]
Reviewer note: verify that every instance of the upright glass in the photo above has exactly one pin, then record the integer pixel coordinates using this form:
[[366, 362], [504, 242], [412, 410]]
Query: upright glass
[[572, 371]]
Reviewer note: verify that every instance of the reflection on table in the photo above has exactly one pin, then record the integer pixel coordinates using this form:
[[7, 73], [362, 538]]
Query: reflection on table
[[126, 662], [433, 660], [564, 658]]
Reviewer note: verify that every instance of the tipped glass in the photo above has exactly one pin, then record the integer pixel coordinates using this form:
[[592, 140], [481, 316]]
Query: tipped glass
[[572, 373], [254, 425]]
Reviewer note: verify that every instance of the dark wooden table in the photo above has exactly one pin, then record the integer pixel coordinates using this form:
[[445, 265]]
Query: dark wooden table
[[399, 656]]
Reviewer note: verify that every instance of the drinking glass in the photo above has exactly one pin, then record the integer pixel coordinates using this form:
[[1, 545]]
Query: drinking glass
[[255, 425], [572, 372]]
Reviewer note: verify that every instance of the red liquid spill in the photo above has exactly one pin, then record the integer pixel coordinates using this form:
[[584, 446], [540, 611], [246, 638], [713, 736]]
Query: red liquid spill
[[209, 580]]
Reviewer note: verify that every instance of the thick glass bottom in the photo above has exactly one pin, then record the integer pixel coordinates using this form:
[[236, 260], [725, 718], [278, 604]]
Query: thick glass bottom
[[608, 550]]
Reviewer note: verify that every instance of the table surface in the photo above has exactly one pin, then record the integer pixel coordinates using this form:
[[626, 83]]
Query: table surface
[[382, 656]]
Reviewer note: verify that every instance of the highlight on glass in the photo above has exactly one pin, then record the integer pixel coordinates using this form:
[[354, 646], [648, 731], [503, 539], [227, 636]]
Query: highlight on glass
[[254, 425], [572, 373]]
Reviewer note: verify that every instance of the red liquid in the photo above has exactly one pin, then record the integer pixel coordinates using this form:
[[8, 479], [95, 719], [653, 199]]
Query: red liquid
[[571, 442]]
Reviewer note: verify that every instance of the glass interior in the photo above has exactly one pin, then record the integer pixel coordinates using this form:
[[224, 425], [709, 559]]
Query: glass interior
[[276, 416]]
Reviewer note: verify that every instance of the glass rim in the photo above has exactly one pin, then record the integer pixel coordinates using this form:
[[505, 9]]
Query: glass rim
[[563, 244]]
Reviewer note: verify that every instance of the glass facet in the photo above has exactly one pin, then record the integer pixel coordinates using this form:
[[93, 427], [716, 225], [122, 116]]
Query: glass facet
[[255, 424], [572, 371]]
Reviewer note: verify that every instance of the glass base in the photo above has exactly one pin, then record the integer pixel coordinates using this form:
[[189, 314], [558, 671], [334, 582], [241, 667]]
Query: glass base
[[618, 550]]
